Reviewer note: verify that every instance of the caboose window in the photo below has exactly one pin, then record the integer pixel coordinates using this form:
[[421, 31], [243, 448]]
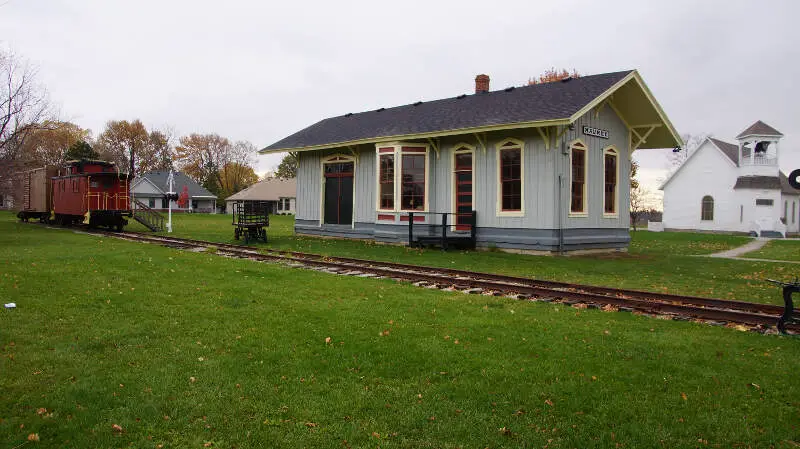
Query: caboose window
[[74, 185]]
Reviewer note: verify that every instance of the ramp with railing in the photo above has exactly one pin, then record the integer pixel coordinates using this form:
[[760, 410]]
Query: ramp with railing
[[149, 218]]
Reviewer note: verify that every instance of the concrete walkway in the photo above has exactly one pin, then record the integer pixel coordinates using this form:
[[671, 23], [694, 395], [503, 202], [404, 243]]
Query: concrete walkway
[[754, 245]]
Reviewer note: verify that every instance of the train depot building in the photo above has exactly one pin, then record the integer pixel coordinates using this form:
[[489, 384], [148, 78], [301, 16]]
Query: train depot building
[[544, 167]]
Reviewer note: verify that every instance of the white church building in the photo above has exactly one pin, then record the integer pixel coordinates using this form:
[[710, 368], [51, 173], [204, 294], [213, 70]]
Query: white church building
[[738, 187]]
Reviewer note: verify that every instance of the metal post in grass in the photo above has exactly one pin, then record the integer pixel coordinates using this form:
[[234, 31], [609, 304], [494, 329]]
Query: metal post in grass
[[170, 180], [411, 229], [444, 232]]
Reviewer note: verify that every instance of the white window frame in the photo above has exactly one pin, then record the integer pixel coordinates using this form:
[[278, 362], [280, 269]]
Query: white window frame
[[499, 146], [336, 159], [611, 149], [585, 148], [398, 169], [460, 148]]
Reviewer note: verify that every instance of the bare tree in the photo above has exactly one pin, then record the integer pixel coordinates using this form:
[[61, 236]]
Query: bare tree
[[216, 163], [690, 143], [24, 108], [641, 198]]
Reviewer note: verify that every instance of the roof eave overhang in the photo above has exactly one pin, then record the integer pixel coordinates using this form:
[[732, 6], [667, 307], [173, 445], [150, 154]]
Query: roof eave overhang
[[634, 75], [452, 132]]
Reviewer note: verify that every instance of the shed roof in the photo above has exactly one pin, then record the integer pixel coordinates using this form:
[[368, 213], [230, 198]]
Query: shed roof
[[757, 182], [759, 128], [555, 103], [270, 189], [159, 179]]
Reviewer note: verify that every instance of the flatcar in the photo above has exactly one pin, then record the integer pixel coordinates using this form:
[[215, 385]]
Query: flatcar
[[85, 191]]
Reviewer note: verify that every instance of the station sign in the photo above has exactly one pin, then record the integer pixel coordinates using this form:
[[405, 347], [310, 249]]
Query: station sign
[[596, 132]]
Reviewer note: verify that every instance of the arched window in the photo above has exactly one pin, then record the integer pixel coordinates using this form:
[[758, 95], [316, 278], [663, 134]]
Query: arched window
[[610, 169], [510, 177], [578, 173], [707, 213]]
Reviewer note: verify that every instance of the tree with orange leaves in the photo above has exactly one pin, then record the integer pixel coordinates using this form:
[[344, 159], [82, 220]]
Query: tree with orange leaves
[[552, 74]]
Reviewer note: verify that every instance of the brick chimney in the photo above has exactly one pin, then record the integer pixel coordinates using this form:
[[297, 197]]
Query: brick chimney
[[481, 83]]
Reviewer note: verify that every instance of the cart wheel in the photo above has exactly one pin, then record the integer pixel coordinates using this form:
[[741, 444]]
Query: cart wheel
[[264, 235], [246, 238], [236, 233]]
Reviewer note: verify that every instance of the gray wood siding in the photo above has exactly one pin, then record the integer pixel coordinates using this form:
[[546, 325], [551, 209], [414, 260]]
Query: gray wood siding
[[618, 136], [308, 185], [365, 184]]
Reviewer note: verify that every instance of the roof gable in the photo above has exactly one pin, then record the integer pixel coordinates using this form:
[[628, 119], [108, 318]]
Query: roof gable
[[559, 102], [759, 128], [785, 186], [724, 148]]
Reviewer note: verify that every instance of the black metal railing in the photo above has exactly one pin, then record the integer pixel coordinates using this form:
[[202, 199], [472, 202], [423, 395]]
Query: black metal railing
[[445, 234]]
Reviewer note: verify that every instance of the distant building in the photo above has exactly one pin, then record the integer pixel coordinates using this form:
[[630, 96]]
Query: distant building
[[151, 188], [280, 193], [734, 188]]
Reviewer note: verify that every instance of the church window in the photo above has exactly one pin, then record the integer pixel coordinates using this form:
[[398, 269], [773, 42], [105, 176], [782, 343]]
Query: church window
[[707, 210]]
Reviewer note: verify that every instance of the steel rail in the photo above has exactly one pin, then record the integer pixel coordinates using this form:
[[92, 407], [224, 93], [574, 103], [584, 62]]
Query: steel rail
[[646, 302]]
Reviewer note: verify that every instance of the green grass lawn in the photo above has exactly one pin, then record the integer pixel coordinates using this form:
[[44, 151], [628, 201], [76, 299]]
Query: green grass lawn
[[662, 262], [183, 349], [778, 250]]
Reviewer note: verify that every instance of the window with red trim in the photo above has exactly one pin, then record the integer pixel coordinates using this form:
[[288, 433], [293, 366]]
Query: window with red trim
[[386, 181], [511, 179], [412, 184]]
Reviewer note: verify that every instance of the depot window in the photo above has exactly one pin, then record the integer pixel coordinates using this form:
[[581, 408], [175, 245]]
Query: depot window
[[577, 159], [510, 177], [402, 177], [611, 169]]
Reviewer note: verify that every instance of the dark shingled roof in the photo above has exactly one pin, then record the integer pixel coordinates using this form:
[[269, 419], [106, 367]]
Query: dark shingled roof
[[759, 128], [757, 182], [786, 187], [159, 178], [549, 101], [730, 150]]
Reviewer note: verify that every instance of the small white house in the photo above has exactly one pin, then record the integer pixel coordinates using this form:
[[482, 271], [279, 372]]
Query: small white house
[[151, 189], [734, 188], [280, 193]]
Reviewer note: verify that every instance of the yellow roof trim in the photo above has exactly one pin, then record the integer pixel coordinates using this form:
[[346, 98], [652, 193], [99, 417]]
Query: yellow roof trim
[[633, 75], [452, 132]]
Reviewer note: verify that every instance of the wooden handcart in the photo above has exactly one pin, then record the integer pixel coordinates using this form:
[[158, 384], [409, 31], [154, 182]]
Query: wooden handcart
[[250, 219]]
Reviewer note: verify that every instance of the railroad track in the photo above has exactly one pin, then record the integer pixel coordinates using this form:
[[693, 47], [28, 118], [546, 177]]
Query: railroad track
[[759, 317]]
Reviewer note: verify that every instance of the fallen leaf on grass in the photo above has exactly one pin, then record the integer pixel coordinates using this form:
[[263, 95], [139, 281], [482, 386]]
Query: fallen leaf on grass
[[327, 340], [208, 444], [33, 437], [549, 402], [41, 411], [385, 333], [683, 395], [192, 379], [756, 386], [504, 430], [376, 434], [116, 428], [311, 424]]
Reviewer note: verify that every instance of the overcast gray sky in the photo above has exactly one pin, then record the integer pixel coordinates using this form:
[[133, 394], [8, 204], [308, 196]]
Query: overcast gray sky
[[261, 70]]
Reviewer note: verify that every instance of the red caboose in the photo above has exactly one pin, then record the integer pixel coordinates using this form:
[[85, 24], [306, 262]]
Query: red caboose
[[91, 191]]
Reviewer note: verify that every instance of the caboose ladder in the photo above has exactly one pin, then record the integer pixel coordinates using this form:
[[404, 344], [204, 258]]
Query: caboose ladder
[[151, 219]]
